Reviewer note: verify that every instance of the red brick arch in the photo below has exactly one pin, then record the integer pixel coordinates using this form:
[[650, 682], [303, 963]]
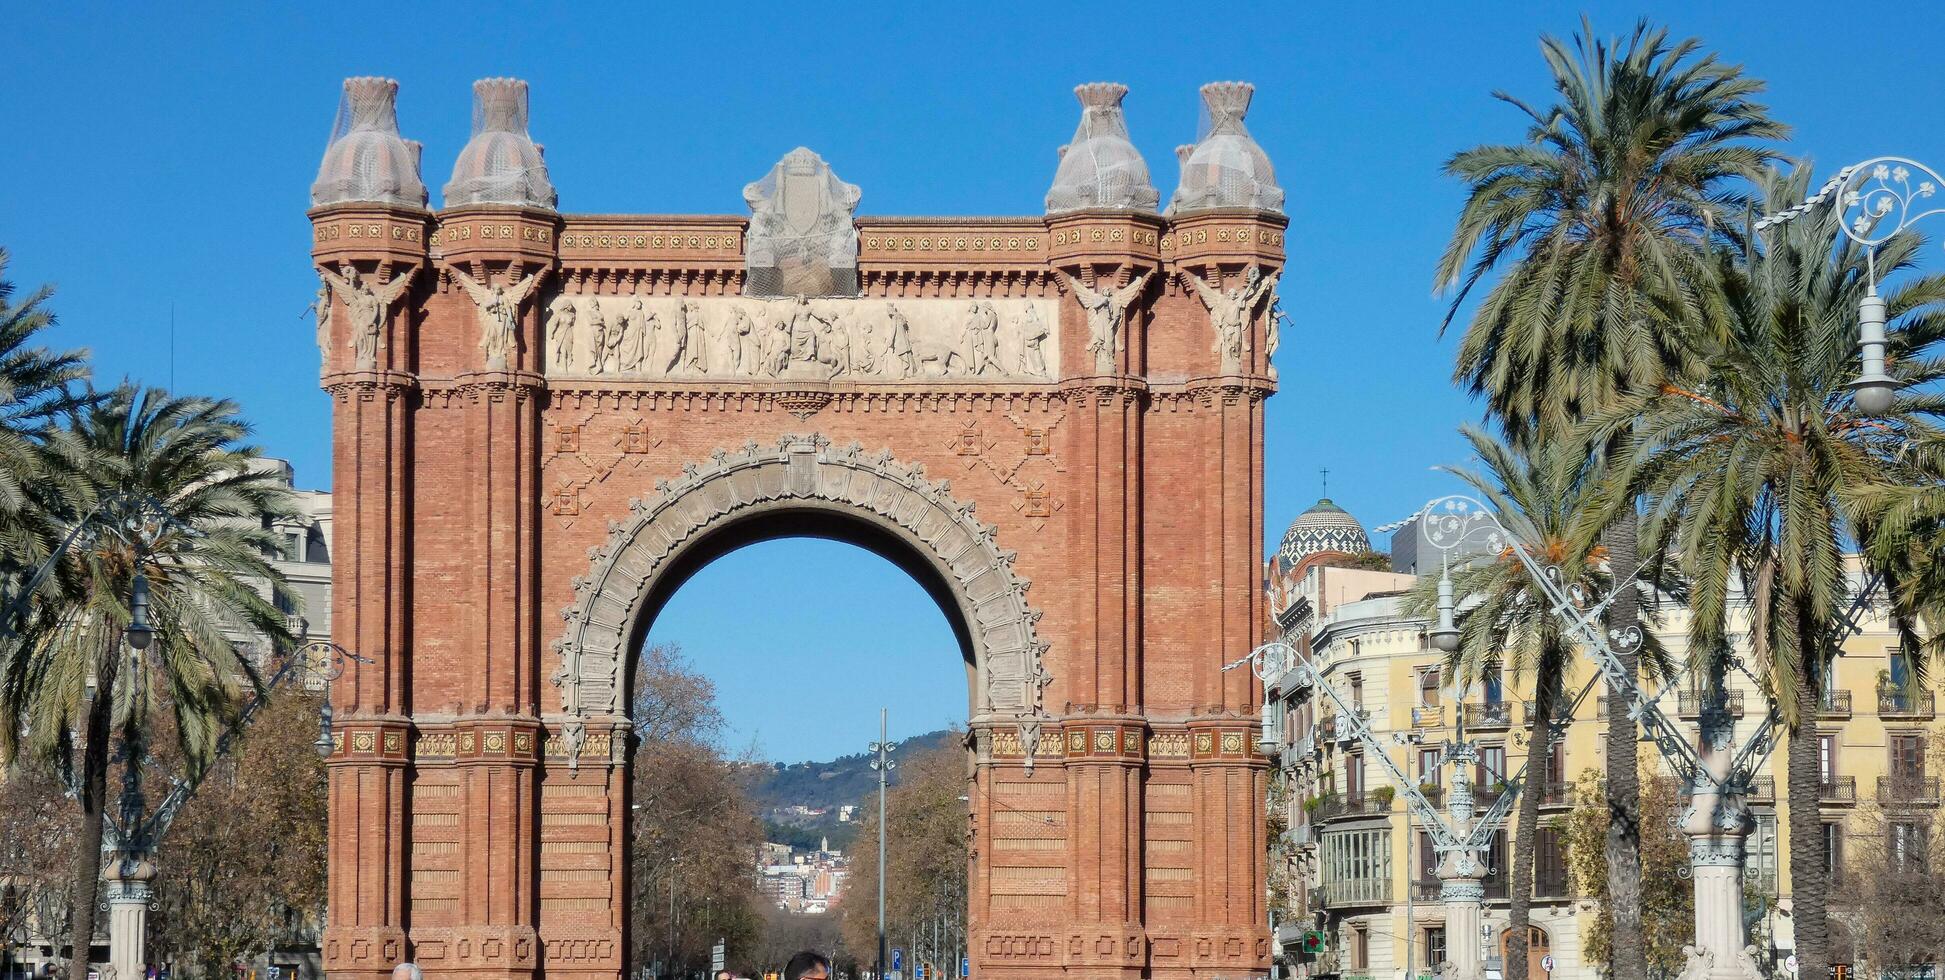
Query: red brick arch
[[478, 808]]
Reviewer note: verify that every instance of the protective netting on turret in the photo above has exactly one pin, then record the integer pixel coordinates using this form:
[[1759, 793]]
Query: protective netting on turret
[[501, 164], [1101, 168], [801, 241], [366, 160], [1225, 168]]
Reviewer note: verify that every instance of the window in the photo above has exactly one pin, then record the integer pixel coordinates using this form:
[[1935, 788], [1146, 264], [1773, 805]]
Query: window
[[1557, 762], [1833, 850], [1907, 758], [1428, 683], [1428, 768], [1549, 864], [1492, 766], [1354, 774], [1900, 668], [1495, 692], [1761, 850], [1827, 758], [1427, 858], [1905, 844], [1360, 947], [1434, 946], [1357, 690], [1498, 868]]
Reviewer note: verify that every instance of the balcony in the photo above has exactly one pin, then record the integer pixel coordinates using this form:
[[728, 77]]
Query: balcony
[[1485, 795], [1435, 795], [1907, 705], [1352, 805], [1355, 891], [1495, 884], [1762, 789], [1838, 790], [1555, 793], [1428, 716], [1560, 707], [1426, 890], [1904, 789], [1689, 704], [1487, 716], [1550, 881], [1834, 704]]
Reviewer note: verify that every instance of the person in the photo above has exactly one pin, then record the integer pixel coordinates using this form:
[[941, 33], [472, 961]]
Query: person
[[725, 975], [407, 971], [808, 965]]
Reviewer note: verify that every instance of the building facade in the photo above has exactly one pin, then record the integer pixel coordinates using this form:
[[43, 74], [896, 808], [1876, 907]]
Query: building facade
[[1352, 864]]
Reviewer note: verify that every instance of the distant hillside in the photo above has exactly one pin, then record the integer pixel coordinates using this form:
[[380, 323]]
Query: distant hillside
[[847, 780]]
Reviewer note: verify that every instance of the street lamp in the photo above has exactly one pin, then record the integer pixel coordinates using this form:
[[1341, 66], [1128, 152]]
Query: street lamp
[[1445, 636], [1877, 200], [882, 763], [140, 630], [330, 661]]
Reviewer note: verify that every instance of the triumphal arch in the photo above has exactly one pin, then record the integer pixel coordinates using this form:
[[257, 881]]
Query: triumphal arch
[[545, 421]]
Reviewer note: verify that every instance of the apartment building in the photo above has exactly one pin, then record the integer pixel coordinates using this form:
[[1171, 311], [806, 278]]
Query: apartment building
[[1352, 861]]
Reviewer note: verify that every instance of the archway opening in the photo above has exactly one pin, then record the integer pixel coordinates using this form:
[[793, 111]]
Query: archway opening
[[792, 626]]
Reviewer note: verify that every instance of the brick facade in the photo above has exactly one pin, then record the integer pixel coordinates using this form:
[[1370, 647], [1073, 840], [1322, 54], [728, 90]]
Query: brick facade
[[479, 829]]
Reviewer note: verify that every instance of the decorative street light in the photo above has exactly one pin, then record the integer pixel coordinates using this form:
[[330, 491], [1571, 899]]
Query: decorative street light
[[882, 763], [140, 630], [1877, 200]]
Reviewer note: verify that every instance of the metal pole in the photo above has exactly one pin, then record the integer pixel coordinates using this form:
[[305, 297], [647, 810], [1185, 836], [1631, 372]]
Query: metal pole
[[1411, 879], [670, 970], [883, 765]]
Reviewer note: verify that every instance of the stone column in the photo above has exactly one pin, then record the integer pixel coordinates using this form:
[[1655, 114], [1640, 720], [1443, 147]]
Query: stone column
[[372, 388], [128, 876], [1717, 825], [1461, 889]]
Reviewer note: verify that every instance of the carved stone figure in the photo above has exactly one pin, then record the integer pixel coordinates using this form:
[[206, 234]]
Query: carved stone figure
[[1231, 313], [1033, 333], [1272, 329], [743, 341], [640, 331], [695, 340], [899, 358], [499, 315], [1106, 314], [625, 342], [980, 338], [776, 344], [321, 308], [598, 348], [560, 330], [804, 324], [367, 307]]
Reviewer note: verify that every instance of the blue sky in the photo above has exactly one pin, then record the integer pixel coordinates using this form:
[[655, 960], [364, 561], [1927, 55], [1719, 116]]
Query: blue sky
[[159, 155]]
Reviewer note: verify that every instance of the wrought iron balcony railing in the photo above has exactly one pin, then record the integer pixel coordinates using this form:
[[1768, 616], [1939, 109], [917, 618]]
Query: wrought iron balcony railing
[[1426, 890], [1488, 715], [1556, 793], [1834, 704], [1907, 789], [1550, 882], [1838, 789], [1762, 789], [1369, 804], [1428, 716], [1689, 703], [1907, 705]]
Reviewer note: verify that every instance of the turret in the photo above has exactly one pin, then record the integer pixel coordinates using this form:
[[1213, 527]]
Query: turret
[[1101, 168], [1225, 168], [501, 164], [367, 161]]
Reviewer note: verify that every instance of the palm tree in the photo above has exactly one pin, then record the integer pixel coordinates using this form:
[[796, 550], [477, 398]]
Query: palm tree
[[1599, 224], [1908, 542], [1506, 620], [176, 499], [36, 391], [1759, 477]]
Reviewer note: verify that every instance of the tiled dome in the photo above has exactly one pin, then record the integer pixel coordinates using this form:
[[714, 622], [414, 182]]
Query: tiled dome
[[1324, 527]]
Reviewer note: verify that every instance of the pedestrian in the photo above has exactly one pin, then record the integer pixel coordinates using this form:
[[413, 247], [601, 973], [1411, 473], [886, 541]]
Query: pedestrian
[[725, 975], [808, 965]]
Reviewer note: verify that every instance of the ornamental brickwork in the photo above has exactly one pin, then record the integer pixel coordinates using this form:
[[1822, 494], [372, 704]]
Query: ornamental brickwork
[[556, 418]]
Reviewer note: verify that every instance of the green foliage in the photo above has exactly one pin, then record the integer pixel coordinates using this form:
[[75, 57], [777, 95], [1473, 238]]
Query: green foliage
[[1667, 896], [1383, 796]]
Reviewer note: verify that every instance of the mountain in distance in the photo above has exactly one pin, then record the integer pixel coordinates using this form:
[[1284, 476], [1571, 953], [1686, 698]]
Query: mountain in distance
[[775, 789]]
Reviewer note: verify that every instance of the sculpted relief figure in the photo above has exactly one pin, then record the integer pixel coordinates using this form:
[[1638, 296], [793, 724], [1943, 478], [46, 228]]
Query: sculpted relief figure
[[701, 338], [1231, 312], [1106, 314], [499, 315], [561, 314], [321, 308], [367, 306]]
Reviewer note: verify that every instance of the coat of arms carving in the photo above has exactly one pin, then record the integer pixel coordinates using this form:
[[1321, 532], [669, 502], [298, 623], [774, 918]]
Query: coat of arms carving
[[801, 241]]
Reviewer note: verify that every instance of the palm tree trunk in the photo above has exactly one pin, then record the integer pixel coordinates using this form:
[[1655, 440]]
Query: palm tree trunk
[[1520, 898], [1809, 886], [94, 803], [1630, 960]]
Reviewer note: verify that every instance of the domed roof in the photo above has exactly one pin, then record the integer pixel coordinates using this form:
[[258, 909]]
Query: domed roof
[[501, 164], [1101, 168], [1225, 168], [367, 161], [1324, 527]]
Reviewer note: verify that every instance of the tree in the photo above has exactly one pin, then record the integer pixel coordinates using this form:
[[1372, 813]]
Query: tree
[[170, 492], [696, 836], [1667, 911], [242, 869], [1601, 223], [36, 392], [1507, 621], [926, 856], [37, 828], [1758, 479], [1889, 898]]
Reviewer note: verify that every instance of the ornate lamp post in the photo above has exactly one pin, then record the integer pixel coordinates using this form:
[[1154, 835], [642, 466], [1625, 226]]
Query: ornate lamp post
[[1878, 200], [882, 763]]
